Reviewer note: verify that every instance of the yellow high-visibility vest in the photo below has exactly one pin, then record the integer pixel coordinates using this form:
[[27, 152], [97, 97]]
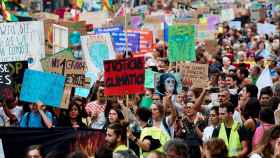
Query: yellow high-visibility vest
[[233, 143]]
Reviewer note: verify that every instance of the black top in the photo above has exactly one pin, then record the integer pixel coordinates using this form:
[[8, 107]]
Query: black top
[[243, 134]]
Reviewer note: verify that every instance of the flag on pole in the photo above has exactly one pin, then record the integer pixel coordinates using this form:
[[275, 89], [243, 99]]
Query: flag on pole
[[8, 16], [264, 80], [108, 5]]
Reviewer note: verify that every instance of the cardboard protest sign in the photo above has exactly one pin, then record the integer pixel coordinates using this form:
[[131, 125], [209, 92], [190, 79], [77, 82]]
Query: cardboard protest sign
[[211, 46], [146, 41], [97, 18], [266, 28], [11, 76], [75, 31], [119, 41], [65, 101], [197, 74], [41, 16], [22, 41], [64, 63], [125, 76], [181, 43], [49, 92], [97, 48], [185, 17], [60, 38]]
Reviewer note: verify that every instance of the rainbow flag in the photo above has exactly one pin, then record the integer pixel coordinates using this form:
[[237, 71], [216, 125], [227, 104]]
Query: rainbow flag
[[108, 5], [79, 3], [8, 16]]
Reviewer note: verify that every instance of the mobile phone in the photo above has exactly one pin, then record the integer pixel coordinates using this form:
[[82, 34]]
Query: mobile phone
[[214, 90]]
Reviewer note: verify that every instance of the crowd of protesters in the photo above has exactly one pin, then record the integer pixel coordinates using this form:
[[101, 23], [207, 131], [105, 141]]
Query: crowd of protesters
[[231, 117]]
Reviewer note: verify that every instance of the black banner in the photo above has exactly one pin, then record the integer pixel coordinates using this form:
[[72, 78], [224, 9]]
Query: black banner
[[64, 140]]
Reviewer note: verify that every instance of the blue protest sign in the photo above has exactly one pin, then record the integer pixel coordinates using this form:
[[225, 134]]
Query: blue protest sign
[[119, 41], [109, 29], [41, 86], [235, 24]]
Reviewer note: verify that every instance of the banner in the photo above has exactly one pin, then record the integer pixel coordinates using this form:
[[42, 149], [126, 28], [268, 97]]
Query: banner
[[181, 43], [125, 76], [11, 76], [41, 86], [65, 64], [133, 41], [21, 41], [96, 49], [197, 74], [61, 140]]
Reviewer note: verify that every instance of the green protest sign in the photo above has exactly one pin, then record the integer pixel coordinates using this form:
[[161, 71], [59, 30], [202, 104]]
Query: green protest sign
[[149, 78], [181, 43]]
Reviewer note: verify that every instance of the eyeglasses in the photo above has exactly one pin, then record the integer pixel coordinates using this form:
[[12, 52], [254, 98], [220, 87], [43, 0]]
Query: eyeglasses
[[170, 81], [220, 95]]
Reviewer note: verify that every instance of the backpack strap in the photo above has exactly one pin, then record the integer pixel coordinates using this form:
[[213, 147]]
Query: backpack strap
[[166, 126], [27, 119]]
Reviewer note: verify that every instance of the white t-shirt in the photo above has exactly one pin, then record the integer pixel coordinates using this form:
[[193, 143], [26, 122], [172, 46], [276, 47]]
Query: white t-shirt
[[207, 133], [255, 156], [237, 117], [17, 111]]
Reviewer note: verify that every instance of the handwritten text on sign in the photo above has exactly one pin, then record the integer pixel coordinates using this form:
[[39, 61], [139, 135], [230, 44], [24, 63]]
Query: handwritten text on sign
[[21, 40], [126, 76], [197, 74]]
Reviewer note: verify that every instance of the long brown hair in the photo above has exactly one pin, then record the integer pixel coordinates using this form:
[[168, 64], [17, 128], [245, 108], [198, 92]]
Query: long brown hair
[[217, 148], [265, 148]]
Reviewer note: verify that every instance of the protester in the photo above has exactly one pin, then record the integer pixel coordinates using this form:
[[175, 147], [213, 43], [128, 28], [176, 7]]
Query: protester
[[269, 146], [176, 148], [116, 136], [215, 148], [233, 134], [74, 117], [37, 117], [34, 151]]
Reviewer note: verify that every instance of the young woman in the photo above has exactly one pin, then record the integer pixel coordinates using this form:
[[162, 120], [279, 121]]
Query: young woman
[[73, 117], [269, 147], [34, 151]]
